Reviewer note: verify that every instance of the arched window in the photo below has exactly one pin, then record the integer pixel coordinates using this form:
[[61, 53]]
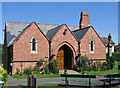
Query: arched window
[[33, 43], [92, 46]]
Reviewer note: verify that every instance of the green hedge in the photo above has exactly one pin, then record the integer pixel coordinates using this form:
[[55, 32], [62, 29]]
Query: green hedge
[[116, 56]]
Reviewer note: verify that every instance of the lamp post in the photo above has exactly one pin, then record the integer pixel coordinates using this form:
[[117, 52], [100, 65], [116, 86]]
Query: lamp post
[[109, 39]]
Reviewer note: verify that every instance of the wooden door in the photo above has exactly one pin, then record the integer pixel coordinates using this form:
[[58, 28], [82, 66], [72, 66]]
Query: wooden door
[[60, 59]]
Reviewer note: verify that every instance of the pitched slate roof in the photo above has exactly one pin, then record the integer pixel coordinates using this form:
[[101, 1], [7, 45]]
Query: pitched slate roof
[[15, 29], [79, 34], [105, 40], [51, 33]]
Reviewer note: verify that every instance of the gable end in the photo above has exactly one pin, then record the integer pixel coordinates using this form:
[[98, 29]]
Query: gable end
[[25, 31]]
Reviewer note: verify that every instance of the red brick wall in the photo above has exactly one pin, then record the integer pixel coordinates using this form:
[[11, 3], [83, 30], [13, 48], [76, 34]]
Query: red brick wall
[[22, 48], [59, 38], [84, 21], [25, 65], [100, 49]]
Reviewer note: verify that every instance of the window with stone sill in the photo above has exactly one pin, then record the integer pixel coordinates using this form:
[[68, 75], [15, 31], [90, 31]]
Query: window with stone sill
[[33, 43], [92, 46]]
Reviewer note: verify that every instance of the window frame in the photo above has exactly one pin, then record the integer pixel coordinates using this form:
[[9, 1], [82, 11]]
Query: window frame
[[92, 46], [31, 44]]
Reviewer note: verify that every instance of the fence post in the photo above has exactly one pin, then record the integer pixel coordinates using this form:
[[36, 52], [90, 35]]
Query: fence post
[[33, 81], [29, 82]]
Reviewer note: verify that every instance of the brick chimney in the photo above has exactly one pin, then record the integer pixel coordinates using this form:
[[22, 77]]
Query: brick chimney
[[84, 21]]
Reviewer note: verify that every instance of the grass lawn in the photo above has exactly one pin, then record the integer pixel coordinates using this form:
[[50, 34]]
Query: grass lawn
[[113, 71], [16, 76]]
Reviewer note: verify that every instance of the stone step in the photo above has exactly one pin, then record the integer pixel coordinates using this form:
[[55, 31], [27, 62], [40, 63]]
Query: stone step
[[69, 72]]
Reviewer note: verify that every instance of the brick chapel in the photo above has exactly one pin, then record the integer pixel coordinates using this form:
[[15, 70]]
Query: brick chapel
[[29, 42]]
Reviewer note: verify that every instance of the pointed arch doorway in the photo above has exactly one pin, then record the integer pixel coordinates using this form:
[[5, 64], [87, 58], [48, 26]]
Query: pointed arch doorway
[[65, 57]]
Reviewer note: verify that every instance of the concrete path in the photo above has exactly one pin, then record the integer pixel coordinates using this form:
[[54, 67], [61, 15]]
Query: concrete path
[[16, 82], [55, 81]]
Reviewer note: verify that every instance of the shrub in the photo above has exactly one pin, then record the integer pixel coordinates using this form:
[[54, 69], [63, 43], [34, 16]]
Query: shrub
[[94, 67], [110, 62], [1, 70], [28, 71], [21, 65], [99, 66], [104, 66], [3, 75], [53, 66], [46, 68], [116, 56], [76, 68], [39, 63], [83, 63], [36, 70], [25, 71], [43, 71], [89, 67]]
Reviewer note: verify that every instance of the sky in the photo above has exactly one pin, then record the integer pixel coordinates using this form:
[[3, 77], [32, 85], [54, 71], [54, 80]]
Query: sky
[[103, 16], [119, 22]]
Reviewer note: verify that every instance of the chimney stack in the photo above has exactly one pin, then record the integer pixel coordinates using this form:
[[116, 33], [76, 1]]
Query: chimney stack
[[84, 21]]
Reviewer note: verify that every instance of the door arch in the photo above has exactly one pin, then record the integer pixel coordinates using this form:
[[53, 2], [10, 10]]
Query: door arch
[[65, 57]]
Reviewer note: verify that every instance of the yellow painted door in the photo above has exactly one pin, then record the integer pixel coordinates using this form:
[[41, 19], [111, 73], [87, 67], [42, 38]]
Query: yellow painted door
[[60, 59]]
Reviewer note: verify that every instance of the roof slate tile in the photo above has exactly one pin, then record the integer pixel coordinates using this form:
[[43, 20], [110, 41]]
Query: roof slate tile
[[15, 29]]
